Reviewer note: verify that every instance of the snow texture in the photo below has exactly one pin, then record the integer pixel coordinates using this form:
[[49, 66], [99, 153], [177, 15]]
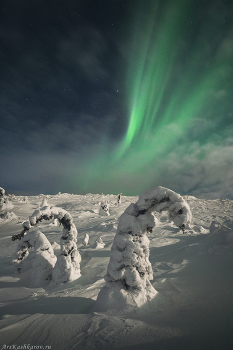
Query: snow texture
[[193, 307], [67, 267], [129, 270]]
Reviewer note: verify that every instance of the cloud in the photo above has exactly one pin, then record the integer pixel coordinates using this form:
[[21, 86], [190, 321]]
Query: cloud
[[204, 171]]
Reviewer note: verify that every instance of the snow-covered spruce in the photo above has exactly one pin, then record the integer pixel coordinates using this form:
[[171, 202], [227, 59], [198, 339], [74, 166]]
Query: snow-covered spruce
[[44, 261], [129, 271], [67, 267], [104, 209]]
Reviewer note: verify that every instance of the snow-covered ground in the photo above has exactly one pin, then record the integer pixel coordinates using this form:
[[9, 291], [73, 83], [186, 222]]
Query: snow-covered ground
[[193, 276]]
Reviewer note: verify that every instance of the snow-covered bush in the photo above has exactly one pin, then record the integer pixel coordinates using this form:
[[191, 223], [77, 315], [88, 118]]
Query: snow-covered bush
[[104, 209], [44, 202], [99, 244], [5, 204], [7, 216], [129, 271], [44, 261], [25, 199], [67, 267], [2, 192], [119, 198], [86, 239]]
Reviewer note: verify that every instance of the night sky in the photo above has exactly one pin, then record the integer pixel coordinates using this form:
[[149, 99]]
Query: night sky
[[116, 96]]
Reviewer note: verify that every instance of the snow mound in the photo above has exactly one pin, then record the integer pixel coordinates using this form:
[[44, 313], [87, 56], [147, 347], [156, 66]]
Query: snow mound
[[113, 296], [199, 229], [224, 231], [7, 216]]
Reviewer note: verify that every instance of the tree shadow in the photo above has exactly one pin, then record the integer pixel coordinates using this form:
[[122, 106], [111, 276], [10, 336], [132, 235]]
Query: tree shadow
[[169, 251], [183, 343], [100, 253], [52, 305], [199, 286]]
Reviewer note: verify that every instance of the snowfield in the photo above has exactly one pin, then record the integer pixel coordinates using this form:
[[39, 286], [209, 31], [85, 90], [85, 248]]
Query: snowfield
[[192, 277]]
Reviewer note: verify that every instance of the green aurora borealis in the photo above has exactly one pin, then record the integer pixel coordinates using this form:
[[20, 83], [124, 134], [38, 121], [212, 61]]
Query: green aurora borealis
[[179, 84]]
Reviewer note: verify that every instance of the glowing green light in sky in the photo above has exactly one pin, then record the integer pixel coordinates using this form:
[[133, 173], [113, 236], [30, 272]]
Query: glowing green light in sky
[[158, 94], [180, 74], [154, 61]]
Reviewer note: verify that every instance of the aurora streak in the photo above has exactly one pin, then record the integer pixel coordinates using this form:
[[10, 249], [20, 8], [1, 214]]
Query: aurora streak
[[179, 76]]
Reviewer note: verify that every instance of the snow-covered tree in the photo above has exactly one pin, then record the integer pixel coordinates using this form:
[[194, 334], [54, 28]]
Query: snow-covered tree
[[119, 198], [86, 239], [44, 202], [7, 216], [67, 267], [99, 244], [5, 204], [2, 192], [44, 260], [104, 209], [129, 271]]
